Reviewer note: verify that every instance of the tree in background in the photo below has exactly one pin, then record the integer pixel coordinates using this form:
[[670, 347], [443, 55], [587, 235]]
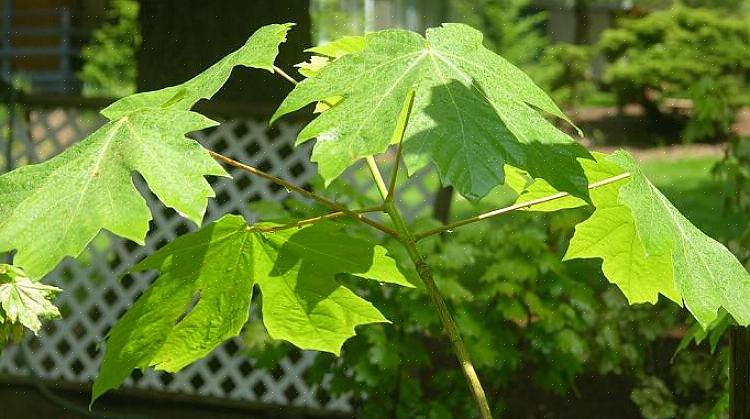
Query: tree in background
[[510, 27], [109, 67], [516, 31], [684, 53], [727, 5], [332, 19]]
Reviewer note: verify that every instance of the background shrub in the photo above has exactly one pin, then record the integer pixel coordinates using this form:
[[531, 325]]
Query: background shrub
[[682, 53]]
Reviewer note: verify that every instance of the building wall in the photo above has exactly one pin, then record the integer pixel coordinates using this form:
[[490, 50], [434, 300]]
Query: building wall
[[41, 39]]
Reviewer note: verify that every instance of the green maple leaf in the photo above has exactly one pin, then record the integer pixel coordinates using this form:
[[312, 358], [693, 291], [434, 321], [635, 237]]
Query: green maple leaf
[[25, 302], [54, 209], [473, 111], [259, 51], [610, 234], [648, 248], [338, 48], [706, 273], [203, 294], [303, 302], [166, 327]]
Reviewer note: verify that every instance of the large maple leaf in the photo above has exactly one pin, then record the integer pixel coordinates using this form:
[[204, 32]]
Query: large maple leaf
[[473, 111], [203, 294]]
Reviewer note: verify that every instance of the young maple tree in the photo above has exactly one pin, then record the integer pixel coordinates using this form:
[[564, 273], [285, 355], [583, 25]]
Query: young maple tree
[[441, 99]]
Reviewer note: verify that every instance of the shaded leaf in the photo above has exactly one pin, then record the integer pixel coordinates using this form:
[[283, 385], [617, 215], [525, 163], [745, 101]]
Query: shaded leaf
[[595, 170], [303, 302], [201, 298]]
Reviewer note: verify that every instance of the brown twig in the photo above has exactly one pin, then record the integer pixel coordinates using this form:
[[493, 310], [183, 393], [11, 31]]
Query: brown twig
[[313, 220], [312, 195]]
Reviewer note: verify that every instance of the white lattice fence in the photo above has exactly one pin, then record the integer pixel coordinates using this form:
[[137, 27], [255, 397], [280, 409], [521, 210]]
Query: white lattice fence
[[94, 298]]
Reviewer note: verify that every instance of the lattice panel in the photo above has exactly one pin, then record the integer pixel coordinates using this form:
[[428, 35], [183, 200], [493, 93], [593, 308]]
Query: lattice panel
[[94, 298]]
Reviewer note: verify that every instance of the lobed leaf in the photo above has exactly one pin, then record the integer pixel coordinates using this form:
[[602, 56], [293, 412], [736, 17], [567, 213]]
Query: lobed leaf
[[203, 294], [201, 298], [706, 273], [54, 209], [473, 112], [610, 233], [649, 248], [259, 51], [24, 302]]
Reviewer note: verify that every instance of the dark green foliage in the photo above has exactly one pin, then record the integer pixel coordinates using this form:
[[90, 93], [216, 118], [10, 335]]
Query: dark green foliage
[[509, 30], [564, 72], [682, 53], [109, 67], [692, 387], [727, 5], [735, 170]]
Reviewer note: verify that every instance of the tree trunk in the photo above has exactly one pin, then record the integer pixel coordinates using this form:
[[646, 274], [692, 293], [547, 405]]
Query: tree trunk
[[582, 22], [441, 209], [739, 373]]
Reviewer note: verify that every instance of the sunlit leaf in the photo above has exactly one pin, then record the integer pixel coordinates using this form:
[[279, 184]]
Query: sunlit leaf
[[259, 51], [54, 209], [473, 112], [25, 302], [649, 248], [203, 294]]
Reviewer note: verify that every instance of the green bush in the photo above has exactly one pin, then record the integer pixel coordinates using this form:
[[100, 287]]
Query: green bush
[[735, 170], [683, 53], [109, 67], [509, 30], [564, 71]]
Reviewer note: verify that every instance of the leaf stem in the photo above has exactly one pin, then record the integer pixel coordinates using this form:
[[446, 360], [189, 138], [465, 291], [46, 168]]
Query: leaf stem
[[401, 132], [425, 273], [283, 74], [517, 206], [314, 220], [449, 325], [312, 195], [379, 182]]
